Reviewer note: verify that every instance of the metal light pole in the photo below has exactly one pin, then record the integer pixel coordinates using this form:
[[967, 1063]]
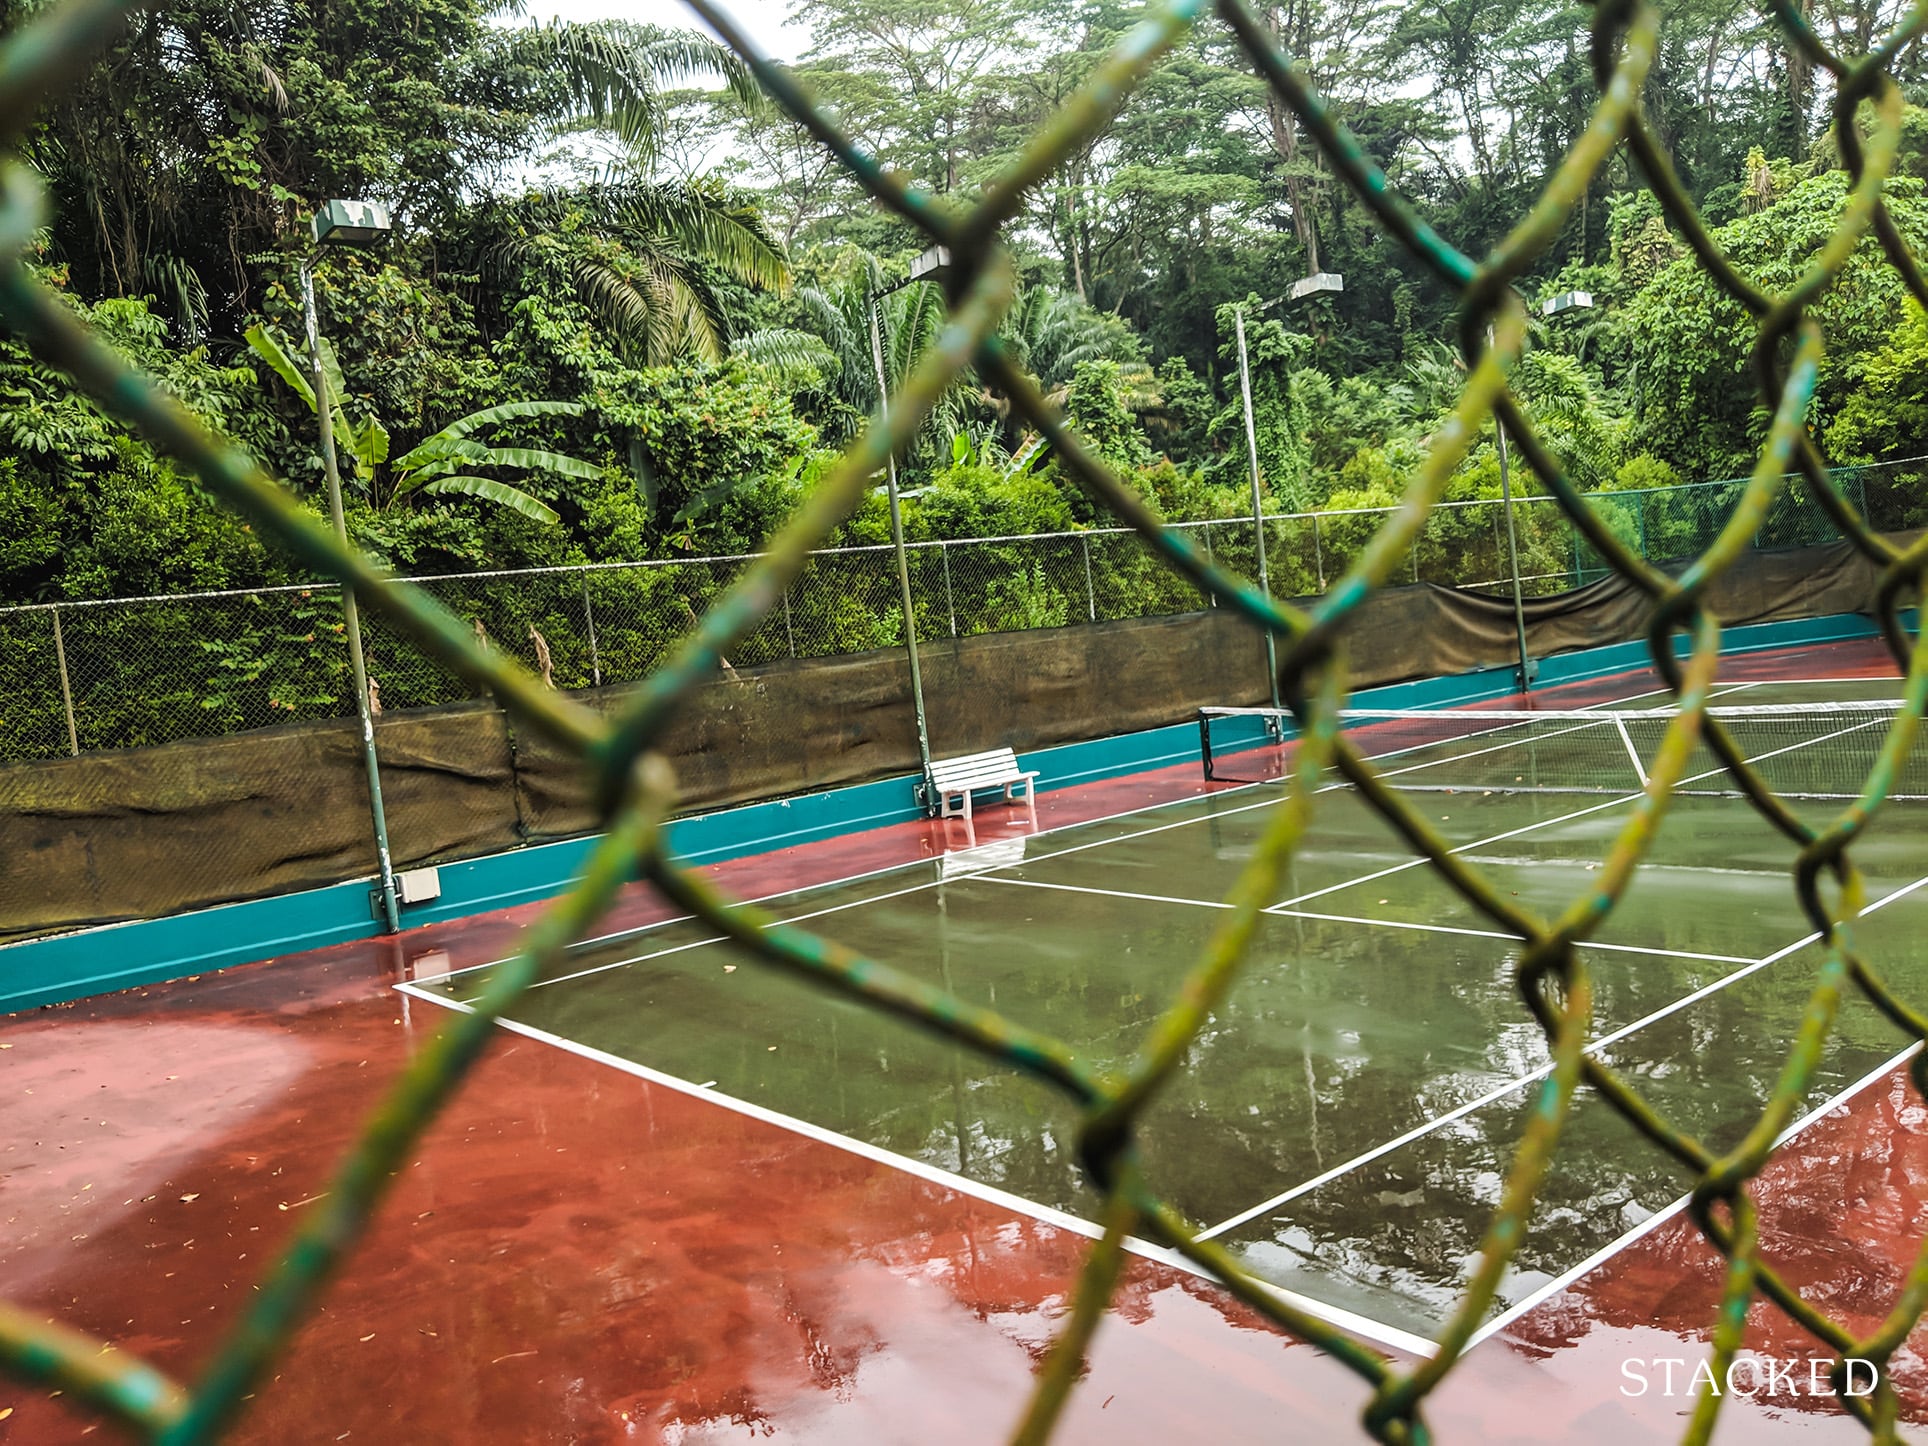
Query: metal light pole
[[1317, 282], [1258, 506], [1528, 670], [931, 266], [350, 223]]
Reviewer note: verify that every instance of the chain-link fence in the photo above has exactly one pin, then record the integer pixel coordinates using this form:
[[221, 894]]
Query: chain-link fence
[[129, 672], [617, 755]]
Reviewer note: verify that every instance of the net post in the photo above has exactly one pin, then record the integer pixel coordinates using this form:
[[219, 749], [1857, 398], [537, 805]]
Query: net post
[[66, 686], [1205, 742], [589, 618]]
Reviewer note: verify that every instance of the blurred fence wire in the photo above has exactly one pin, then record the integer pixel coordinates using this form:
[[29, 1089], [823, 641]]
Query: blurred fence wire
[[132, 672], [637, 789]]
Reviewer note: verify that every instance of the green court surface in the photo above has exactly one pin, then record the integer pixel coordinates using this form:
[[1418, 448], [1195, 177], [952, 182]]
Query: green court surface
[[1345, 1122]]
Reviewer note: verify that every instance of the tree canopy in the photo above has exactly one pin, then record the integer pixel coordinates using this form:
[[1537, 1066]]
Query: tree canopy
[[652, 279]]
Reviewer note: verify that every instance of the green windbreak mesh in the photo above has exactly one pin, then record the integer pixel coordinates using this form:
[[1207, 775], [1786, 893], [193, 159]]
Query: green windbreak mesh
[[634, 787]]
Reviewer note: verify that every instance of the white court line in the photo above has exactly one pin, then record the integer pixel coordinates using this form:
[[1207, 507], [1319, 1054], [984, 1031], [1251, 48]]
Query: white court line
[[1500, 1092], [1113, 893], [1563, 818], [979, 874], [719, 938], [1654, 1222], [1283, 913], [616, 935], [1349, 1321]]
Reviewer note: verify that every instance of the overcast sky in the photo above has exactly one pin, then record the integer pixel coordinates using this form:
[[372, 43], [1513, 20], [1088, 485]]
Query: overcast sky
[[762, 18]]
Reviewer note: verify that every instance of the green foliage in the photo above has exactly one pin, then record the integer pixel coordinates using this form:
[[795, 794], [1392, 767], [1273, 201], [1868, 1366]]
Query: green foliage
[[972, 500], [1096, 406], [1692, 342], [1279, 420], [1887, 415], [1181, 424], [1642, 472], [721, 446]]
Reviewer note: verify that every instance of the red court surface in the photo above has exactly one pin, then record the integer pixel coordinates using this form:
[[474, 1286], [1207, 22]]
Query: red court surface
[[575, 1254]]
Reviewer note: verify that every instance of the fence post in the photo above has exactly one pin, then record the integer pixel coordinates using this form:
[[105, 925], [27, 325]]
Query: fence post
[[950, 599], [1091, 592], [1643, 527], [66, 687], [1209, 558], [1318, 552], [789, 629], [589, 616]]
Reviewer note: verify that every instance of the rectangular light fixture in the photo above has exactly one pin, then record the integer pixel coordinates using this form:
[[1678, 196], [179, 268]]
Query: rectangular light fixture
[[1318, 281], [351, 223]]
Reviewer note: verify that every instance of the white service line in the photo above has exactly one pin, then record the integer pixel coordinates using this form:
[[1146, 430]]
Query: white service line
[[1349, 1321], [1565, 817], [1285, 913], [1654, 1222], [1500, 1092], [1112, 893], [616, 935], [719, 938], [1812, 682], [933, 883]]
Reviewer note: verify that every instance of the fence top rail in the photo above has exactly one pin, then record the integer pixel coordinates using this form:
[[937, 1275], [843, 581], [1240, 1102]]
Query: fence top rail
[[585, 569]]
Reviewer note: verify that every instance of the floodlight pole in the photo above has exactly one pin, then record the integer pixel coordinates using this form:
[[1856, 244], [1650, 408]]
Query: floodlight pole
[[1258, 506], [351, 614], [1565, 301], [897, 543], [1526, 670], [1311, 285]]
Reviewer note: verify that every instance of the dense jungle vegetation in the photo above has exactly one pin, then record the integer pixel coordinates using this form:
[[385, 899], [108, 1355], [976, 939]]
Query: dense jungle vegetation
[[605, 220]]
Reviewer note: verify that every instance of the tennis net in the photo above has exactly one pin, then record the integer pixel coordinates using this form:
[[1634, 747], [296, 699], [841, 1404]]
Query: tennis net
[[1811, 751]]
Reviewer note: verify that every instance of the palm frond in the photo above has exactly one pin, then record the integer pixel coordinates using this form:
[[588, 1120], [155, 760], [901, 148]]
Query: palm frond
[[700, 219], [797, 359]]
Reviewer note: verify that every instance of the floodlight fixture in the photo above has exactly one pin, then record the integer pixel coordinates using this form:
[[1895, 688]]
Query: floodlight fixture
[[351, 223], [1317, 282], [933, 265], [1566, 301]]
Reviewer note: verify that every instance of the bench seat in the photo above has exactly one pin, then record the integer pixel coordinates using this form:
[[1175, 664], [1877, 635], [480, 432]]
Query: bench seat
[[959, 778]]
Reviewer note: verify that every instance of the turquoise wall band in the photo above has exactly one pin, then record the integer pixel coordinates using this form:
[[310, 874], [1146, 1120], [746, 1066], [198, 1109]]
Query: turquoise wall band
[[149, 951]]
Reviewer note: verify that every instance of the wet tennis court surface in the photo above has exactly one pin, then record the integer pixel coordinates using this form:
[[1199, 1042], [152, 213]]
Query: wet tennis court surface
[[1345, 1122], [683, 1200]]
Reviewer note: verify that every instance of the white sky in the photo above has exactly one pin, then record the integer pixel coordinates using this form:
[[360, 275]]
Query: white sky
[[764, 19]]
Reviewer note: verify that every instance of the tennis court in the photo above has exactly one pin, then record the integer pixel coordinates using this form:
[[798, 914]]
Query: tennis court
[[1345, 1123]]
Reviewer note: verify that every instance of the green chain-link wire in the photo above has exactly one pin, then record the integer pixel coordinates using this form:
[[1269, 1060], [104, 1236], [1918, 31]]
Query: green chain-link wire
[[637, 790]]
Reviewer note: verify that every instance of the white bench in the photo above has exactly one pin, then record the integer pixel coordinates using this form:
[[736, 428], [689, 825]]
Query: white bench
[[959, 778]]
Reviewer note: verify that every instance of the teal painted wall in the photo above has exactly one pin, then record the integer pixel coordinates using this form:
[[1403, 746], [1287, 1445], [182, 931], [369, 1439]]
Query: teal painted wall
[[147, 951]]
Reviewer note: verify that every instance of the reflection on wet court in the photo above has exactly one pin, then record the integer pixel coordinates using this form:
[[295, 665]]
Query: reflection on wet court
[[1346, 1120]]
